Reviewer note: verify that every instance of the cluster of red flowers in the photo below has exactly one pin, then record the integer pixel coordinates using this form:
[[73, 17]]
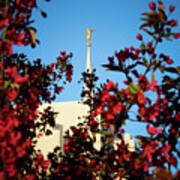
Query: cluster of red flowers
[[15, 24], [21, 95], [157, 19]]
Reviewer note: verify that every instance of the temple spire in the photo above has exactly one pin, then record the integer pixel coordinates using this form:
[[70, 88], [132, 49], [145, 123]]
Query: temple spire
[[88, 65], [97, 144]]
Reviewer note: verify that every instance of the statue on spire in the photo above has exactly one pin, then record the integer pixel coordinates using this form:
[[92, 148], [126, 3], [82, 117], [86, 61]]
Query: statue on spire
[[88, 33]]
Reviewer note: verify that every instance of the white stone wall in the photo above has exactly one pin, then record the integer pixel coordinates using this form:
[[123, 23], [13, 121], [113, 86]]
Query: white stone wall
[[68, 113], [68, 116]]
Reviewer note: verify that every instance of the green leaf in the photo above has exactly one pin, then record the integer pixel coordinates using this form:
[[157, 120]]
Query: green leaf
[[169, 39], [144, 19], [161, 69], [147, 31], [6, 84], [15, 85], [118, 93], [178, 68], [134, 88], [103, 132], [145, 62], [149, 14], [4, 32], [33, 35], [142, 46]]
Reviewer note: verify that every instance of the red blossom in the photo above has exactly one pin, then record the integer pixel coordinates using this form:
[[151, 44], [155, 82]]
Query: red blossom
[[121, 130], [176, 35], [81, 158], [11, 170], [29, 177], [93, 123], [171, 8], [86, 134], [153, 85], [173, 23], [100, 109], [169, 61], [59, 89], [173, 161], [39, 135], [152, 5], [142, 111], [153, 130], [110, 86], [92, 162], [140, 98], [12, 95], [139, 37], [117, 108], [149, 44], [1, 175], [66, 146], [137, 51], [4, 23], [172, 131], [131, 48], [79, 170], [149, 150], [138, 164], [177, 116], [6, 48], [109, 116]]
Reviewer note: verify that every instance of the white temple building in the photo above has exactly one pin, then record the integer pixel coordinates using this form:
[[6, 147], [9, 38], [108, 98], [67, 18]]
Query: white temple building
[[68, 115]]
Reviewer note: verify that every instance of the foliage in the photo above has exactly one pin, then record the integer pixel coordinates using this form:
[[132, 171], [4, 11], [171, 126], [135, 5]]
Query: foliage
[[111, 107], [24, 85]]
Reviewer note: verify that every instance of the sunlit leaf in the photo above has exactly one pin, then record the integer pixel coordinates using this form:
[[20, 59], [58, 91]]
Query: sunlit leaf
[[134, 88], [144, 19], [33, 35], [169, 39], [146, 61], [142, 46], [6, 84]]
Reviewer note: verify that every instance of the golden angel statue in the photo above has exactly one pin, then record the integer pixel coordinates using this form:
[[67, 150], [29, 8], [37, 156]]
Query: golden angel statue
[[88, 33]]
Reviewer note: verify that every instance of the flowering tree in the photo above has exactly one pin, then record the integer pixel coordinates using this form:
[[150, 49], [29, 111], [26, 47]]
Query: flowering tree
[[24, 85], [156, 153]]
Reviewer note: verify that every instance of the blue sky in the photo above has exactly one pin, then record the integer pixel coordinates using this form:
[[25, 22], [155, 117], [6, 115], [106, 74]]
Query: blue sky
[[116, 23]]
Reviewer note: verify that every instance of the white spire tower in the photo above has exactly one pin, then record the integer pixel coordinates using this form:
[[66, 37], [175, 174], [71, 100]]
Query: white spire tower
[[88, 65]]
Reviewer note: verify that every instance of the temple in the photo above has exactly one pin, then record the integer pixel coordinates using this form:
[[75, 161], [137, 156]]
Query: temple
[[70, 114]]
